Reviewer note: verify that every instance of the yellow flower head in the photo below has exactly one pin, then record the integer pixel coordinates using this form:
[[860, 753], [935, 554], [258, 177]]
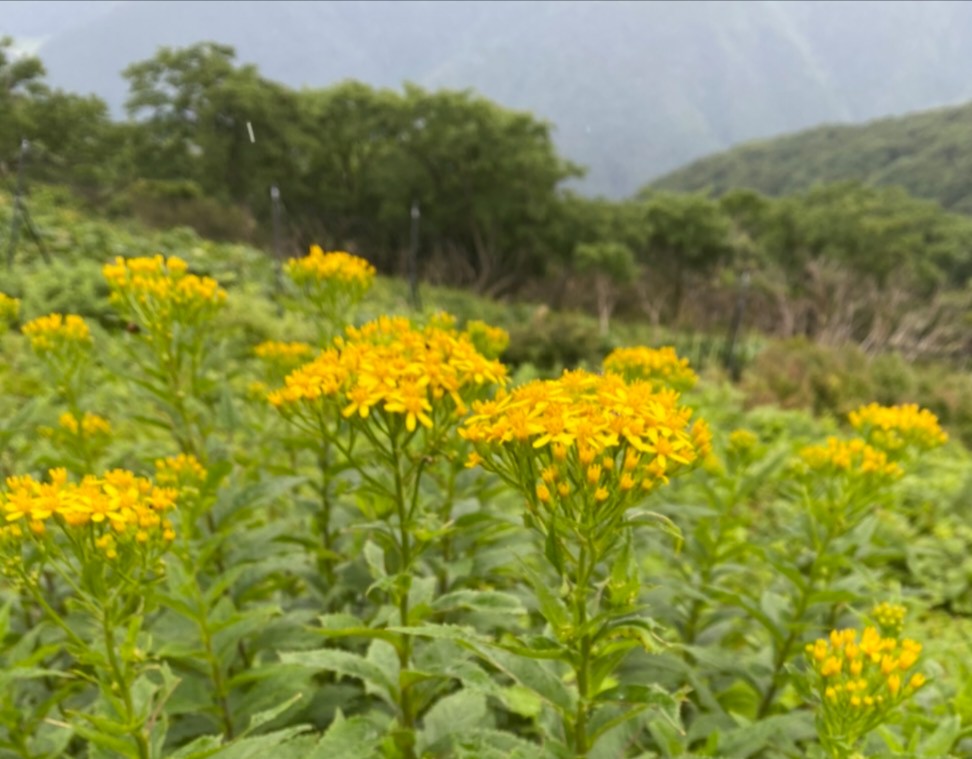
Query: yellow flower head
[[275, 351], [331, 285], [283, 356], [159, 292], [659, 366], [854, 458], [9, 309], [336, 266], [858, 681], [88, 426], [742, 441], [490, 341], [180, 471], [893, 428], [602, 432], [58, 334], [116, 507], [890, 617], [393, 367]]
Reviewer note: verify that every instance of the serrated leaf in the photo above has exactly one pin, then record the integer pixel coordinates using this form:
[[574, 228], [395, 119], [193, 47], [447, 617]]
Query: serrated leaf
[[456, 713], [268, 715], [344, 663], [352, 738]]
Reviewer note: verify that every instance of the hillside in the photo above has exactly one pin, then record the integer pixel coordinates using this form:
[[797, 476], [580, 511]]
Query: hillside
[[927, 153], [634, 89]]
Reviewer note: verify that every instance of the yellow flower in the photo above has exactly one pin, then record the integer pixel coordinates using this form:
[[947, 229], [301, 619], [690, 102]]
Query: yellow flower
[[392, 366], [854, 458], [56, 332], [338, 265], [742, 441], [874, 665], [117, 506], [892, 428], [490, 341], [180, 470], [90, 425], [285, 354], [659, 366], [159, 292], [9, 309], [577, 424], [889, 616]]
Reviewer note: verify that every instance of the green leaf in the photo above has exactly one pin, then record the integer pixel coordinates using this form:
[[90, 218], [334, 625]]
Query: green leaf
[[347, 664], [753, 738], [484, 743], [375, 559], [480, 600], [643, 517], [456, 713], [98, 737], [268, 715], [551, 549], [259, 747], [535, 675], [940, 742], [352, 738], [551, 605]]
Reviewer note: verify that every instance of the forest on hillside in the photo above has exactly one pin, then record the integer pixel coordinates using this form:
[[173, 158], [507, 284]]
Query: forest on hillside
[[926, 153], [207, 138]]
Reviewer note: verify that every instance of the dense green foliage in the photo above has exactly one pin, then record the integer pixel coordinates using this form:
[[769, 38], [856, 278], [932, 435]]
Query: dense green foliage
[[925, 153], [635, 89], [299, 614], [841, 263]]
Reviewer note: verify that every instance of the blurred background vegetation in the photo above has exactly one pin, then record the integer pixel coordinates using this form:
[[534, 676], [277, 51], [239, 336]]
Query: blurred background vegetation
[[846, 290]]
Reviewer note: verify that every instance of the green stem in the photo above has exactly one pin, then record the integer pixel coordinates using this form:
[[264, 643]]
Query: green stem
[[326, 564], [582, 666], [120, 675], [708, 560], [783, 653], [405, 645], [219, 682]]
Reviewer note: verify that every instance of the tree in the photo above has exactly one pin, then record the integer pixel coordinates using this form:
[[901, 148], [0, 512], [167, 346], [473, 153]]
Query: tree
[[349, 163], [685, 233], [487, 179], [612, 264], [21, 79], [199, 110]]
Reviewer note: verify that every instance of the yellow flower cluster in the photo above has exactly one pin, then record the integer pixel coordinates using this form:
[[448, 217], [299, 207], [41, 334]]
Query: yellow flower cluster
[[88, 426], [181, 470], [283, 354], [889, 616], [660, 366], [118, 506], [159, 291], [742, 441], [859, 681], [854, 457], [892, 428], [9, 309], [585, 443], [55, 333], [489, 340], [335, 266], [391, 365]]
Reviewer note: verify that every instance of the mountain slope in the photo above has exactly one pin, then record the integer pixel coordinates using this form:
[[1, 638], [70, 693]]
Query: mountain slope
[[635, 89], [929, 154]]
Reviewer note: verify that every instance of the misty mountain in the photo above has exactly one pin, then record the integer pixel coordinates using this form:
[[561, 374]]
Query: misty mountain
[[635, 89]]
